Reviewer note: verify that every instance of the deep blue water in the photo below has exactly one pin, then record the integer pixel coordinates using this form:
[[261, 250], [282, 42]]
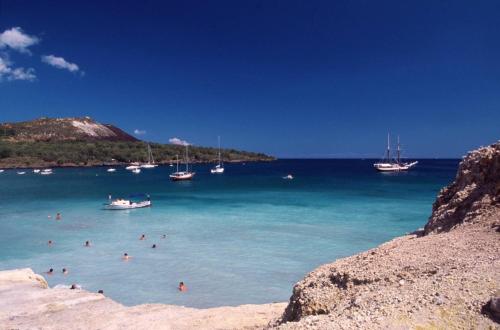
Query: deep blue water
[[242, 237]]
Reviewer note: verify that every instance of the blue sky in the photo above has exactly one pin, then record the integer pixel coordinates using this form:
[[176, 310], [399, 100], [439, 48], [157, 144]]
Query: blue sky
[[290, 78]]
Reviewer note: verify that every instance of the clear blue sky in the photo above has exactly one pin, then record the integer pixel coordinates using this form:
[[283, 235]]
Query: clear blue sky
[[290, 78]]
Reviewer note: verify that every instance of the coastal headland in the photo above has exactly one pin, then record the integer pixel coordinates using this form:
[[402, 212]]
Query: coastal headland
[[83, 142], [444, 276]]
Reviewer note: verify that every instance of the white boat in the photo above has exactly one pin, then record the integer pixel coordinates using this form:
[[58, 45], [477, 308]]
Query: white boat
[[36, 171], [151, 160], [21, 173], [126, 204], [393, 165], [182, 175], [1, 171], [132, 166], [111, 170], [47, 171], [219, 168], [288, 177], [136, 170]]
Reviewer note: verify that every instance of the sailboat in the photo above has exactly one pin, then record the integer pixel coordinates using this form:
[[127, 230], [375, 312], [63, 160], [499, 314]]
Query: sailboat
[[182, 175], [218, 169], [151, 160], [393, 165]]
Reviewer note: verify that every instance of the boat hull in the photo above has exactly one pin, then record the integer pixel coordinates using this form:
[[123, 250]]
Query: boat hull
[[182, 176], [134, 205]]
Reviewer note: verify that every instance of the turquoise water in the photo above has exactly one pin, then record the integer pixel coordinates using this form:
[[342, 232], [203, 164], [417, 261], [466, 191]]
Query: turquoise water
[[243, 237]]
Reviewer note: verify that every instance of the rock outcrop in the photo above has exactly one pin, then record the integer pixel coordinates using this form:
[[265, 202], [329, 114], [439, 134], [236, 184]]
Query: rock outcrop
[[474, 196], [437, 281], [27, 303]]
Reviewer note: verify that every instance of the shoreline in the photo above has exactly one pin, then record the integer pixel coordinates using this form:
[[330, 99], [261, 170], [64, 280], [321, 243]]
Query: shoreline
[[53, 165]]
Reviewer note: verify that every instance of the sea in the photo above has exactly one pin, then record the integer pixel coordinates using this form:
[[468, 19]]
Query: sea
[[243, 237]]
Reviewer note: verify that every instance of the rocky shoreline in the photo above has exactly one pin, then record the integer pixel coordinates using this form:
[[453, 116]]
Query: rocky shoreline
[[446, 276]]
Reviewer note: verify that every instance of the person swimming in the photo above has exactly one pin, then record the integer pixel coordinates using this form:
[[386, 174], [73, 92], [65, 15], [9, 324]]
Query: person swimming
[[65, 271], [50, 272], [87, 243], [143, 237], [75, 287], [182, 287], [164, 236], [126, 256], [154, 246], [100, 291], [49, 243], [58, 216]]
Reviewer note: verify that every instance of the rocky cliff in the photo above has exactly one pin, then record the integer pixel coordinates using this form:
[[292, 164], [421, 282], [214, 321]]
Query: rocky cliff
[[474, 196], [435, 281]]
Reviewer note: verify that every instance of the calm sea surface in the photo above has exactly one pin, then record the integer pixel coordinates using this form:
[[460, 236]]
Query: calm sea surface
[[242, 237]]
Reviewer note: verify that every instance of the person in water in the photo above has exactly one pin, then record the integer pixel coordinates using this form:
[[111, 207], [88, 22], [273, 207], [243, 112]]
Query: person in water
[[100, 291], [58, 216], [87, 243], [49, 243], [143, 237], [65, 271], [126, 256], [50, 272], [154, 246], [182, 287], [164, 236]]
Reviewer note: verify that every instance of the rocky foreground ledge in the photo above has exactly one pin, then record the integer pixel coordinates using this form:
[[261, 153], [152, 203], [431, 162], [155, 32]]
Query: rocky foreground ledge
[[446, 276], [26, 302]]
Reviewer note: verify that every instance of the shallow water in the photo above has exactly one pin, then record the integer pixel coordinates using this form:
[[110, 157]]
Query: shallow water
[[242, 237]]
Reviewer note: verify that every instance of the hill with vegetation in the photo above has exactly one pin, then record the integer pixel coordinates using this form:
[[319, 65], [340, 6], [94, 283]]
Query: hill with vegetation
[[85, 142]]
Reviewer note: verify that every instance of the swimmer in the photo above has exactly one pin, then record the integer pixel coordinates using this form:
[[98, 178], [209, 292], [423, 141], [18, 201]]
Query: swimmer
[[50, 272], [100, 291], [154, 246], [87, 243], [163, 236], [126, 256], [49, 243], [74, 287], [142, 238], [65, 271], [58, 216], [182, 287]]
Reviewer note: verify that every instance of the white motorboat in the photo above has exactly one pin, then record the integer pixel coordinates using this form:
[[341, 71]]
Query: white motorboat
[[288, 177], [136, 170], [21, 173], [126, 204], [182, 175], [393, 165], [1, 171], [219, 168], [132, 167], [47, 171], [111, 170], [36, 171]]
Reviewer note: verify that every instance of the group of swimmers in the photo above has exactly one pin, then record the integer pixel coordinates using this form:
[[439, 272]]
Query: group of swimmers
[[182, 287]]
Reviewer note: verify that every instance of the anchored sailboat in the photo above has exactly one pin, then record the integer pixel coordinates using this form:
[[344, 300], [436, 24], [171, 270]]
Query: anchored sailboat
[[151, 160], [218, 169], [182, 175], [393, 165]]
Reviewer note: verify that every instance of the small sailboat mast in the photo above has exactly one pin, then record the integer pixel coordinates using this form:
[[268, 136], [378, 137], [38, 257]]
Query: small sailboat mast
[[399, 152], [388, 147]]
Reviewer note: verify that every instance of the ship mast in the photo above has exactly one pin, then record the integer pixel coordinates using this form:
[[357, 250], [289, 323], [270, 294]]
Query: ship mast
[[219, 148], [399, 151], [388, 147], [187, 159]]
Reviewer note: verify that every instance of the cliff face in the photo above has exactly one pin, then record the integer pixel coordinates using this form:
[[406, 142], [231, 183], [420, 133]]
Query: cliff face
[[436, 281], [62, 129], [474, 196]]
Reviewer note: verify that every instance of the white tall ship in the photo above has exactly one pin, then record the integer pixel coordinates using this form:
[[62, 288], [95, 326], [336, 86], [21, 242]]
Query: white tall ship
[[151, 160], [393, 165], [219, 168], [182, 175]]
